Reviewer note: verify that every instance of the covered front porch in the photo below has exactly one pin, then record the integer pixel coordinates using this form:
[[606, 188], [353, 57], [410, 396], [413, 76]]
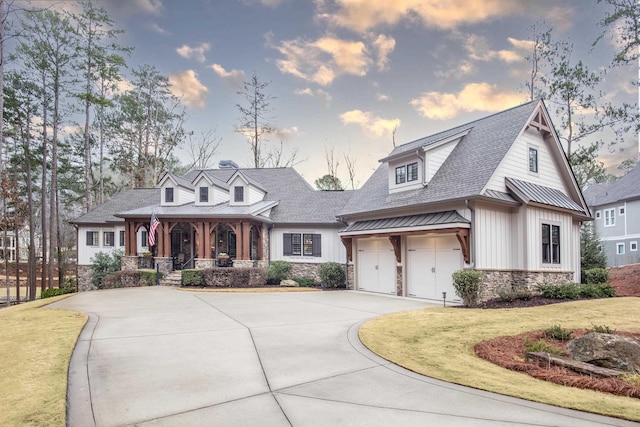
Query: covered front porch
[[182, 243]]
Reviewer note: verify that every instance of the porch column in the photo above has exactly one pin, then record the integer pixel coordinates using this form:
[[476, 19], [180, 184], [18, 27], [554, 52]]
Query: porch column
[[246, 243], [207, 240], [199, 240], [166, 239]]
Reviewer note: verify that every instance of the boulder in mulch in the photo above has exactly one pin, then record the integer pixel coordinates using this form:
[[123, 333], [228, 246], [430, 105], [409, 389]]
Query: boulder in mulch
[[288, 283], [608, 351]]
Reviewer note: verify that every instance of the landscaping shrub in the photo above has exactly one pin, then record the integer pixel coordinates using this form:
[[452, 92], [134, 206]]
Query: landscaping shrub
[[103, 264], [332, 275], [149, 277], [540, 346], [468, 286], [511, 295], [278, 271], [557, 333], [577, 291], [596, 275], [192, 277], [603, 329], [220, 277], [306, 282], [53, 292], [129, 279]]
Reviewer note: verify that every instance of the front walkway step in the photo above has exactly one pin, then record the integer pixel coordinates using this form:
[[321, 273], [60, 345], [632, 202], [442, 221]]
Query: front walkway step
[[174, 278]]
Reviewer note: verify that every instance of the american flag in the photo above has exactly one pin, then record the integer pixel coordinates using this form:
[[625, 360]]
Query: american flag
[[152, 229]]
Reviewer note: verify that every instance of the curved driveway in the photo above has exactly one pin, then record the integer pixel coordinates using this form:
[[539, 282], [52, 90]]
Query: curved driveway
[[162, 357]]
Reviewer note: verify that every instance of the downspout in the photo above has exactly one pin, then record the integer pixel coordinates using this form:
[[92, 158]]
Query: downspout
[[472, 242], [424, 166]]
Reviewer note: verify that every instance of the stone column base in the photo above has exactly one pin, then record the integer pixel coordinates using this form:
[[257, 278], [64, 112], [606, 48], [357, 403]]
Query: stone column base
[[128, 262], [164, 264], [202, 263]]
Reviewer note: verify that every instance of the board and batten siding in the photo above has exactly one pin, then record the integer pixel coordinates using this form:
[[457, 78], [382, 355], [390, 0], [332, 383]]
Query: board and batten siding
[[497, 246], [632, 217], [516, 164], [569, 240], [332, 248]]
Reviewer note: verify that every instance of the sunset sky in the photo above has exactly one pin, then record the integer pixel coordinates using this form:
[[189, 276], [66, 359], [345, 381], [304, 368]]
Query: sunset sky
[[346, 72]]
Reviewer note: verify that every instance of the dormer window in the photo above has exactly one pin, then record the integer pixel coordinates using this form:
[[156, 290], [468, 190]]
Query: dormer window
[[533, 160], [204, 194], [238, 194], [407, 173], [168, 195]]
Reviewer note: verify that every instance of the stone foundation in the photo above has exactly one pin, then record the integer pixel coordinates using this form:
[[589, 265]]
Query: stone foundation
[[399, 280], [84, 278], [244, 263], [512, 280], [164, 265], [351, 277], [305, 269], [128, 262], [202, 263]]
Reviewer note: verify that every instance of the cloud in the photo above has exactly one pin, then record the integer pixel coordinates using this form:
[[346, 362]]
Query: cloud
[[382, 97], [473, 97], [362, 15], [285, 133], [158, 29], [127, 8], [233, 77], [479, 50], [322, 60], [186, 86], [384, 46], [196, 52], [370, 123], [318, 93]]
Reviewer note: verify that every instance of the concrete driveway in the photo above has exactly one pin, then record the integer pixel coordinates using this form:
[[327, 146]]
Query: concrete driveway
[[162, 357]]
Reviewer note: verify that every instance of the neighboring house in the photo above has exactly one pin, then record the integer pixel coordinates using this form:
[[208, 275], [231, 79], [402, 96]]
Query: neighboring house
[[253, 215], [616, 208], [496, 194]]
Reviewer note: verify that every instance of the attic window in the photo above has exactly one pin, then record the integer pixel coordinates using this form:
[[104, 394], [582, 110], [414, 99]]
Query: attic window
[[168, 195], [238, 194], [533, 160], [204, 194]]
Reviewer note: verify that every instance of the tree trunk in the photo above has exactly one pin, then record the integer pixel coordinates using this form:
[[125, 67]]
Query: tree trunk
[[43, 199], [31, 264]]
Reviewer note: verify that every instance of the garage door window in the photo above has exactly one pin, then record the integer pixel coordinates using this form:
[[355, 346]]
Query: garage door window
[[302, 244]]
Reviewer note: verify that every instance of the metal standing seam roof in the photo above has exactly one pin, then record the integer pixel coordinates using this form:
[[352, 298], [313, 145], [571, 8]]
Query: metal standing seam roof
[[541, 194], [409, 221]]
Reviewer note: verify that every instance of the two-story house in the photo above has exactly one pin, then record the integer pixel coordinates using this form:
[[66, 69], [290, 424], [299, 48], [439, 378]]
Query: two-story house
[[496, 194], [616, 208]]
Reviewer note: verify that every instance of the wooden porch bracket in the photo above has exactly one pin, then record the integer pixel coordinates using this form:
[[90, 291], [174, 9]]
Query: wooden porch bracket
[[463, 237], [348, 244], [397, 247]]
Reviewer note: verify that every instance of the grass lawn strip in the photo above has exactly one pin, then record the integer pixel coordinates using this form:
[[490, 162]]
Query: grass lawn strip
[[36, 348], [438, 342]]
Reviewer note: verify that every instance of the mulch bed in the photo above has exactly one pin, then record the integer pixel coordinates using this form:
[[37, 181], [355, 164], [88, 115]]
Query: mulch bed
[[509, 353]]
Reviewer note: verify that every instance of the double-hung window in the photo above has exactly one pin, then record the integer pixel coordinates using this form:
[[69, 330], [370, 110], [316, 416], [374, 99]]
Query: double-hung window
[[533, 160], [144, 238], [92, 238], [121, 237], [302, 244], [550, 244], [609, 217], [108, 238], [238, 194], [204, 194], [168, 195]]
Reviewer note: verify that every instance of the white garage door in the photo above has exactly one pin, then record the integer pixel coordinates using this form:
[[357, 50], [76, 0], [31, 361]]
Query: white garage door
[[430, 263], [376, 266]]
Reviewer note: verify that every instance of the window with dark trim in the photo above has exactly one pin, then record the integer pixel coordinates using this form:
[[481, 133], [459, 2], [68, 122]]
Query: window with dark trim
[[302, 244], [238, 193], [168, 195], [92, 238], [407, 173], [401, 174], [533, 160], [144, 239], [204, 194], [108, 238], [121, 237], [550, 244]]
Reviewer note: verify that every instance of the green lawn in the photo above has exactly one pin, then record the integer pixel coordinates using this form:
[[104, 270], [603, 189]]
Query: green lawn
[[36, 345], [439, 343]]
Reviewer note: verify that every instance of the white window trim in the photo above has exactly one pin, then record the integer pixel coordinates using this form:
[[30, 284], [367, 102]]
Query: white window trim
[[621, 210], [598, 214], [612, 217], [633, 246], [537, 171], [618, 246]]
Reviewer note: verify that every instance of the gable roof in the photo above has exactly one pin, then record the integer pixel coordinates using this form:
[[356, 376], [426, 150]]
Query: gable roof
[[626, 188], [126, 200], [463, 175], [296, 202]]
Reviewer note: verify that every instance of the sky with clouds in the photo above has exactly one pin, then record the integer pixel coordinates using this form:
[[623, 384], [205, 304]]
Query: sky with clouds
[[346, 73]]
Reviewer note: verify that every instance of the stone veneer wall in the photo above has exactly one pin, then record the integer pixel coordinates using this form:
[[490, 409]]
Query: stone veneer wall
[[351, 276], [399, 280], [164, 264], [128, 262], [84, 278], [202, 263], [305, 269], [513, 280]]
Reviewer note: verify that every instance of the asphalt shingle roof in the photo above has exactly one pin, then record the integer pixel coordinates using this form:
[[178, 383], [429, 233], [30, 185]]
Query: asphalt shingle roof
[[626, 188], [124, 201], [465, 172]]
